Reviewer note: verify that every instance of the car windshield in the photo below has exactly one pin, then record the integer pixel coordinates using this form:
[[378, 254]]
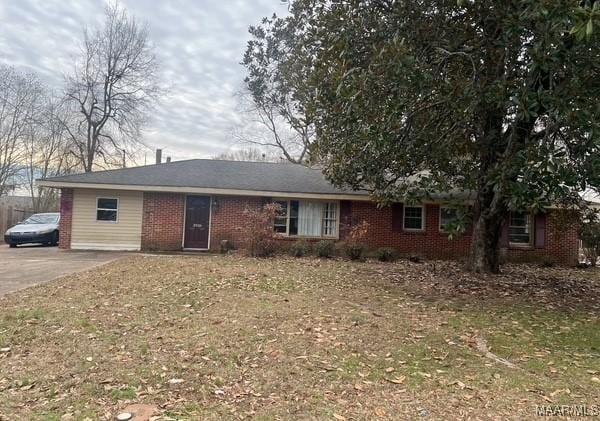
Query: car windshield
[[41, 219]]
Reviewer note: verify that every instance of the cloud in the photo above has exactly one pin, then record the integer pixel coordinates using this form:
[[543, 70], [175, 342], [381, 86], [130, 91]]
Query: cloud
[[198, 42]]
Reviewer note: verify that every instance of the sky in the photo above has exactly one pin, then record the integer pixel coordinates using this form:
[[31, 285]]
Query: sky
[[199, 44]]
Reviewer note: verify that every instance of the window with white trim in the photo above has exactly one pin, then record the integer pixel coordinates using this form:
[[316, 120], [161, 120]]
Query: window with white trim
[[306, 218], [413, 218], [519, 228], [330, 217], [107, 209]]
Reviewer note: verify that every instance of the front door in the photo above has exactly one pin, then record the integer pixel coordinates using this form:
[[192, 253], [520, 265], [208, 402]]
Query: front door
[[197, 220]]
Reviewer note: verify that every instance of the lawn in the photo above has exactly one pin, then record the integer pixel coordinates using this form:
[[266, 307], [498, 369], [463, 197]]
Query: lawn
[[226, 337]]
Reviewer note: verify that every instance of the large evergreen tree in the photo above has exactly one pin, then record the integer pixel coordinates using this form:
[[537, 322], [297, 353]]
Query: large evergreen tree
[[412, 97]]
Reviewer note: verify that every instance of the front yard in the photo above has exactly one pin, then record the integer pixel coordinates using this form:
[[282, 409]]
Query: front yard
[[225, 337]]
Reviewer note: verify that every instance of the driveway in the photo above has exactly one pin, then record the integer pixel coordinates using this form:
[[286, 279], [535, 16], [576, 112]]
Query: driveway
[[25, 266]]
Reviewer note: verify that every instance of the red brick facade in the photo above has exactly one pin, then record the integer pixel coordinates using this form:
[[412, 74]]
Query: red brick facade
[[561, 241], [164, 213], [66, 217], [227, 217], [430, 243], [162, 221], [560, 237]]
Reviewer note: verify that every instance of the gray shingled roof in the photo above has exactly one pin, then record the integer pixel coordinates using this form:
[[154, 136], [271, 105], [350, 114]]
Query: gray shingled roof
[[215, 174]]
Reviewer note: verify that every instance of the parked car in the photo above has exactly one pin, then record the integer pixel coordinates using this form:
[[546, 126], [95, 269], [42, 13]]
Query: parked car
[[38, 228]]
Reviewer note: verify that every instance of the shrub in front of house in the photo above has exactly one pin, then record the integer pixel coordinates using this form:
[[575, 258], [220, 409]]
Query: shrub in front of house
[[386, 254], [300, 248], [354, 251], [264, 248], [257, 233], [325, 249], [355, 241]]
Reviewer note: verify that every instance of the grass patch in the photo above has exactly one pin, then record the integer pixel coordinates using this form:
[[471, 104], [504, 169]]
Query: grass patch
[[124, 394], [224, 337]]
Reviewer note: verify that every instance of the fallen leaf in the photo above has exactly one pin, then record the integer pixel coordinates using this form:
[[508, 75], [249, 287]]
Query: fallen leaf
[[397, 380]]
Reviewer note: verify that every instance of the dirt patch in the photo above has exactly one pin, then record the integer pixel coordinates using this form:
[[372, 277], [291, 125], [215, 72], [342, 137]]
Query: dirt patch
[[216, 337]]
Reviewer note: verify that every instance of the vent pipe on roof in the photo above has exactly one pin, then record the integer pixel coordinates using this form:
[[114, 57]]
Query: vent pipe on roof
[[168, 159], [158, 156]]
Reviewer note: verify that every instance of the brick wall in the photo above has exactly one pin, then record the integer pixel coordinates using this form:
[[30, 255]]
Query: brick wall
[[228, 218], [164, 212], [561, 245], [162, 221], [66, 217], [430, 243], [561, 240]]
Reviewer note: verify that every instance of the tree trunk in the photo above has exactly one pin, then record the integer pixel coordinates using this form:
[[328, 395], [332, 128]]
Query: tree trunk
[[485, 245]]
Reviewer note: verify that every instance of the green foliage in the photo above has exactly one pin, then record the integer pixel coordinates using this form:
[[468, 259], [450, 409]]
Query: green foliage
[[386, 254], [462, 221], [300, 248], [411, 98], [325, 249], [273, 81]]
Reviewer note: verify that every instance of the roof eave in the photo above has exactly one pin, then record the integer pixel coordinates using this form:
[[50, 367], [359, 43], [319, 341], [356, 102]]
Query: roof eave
[[204, 190]]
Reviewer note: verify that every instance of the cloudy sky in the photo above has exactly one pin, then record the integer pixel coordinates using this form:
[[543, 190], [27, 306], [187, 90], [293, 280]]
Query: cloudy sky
[[198, 42]]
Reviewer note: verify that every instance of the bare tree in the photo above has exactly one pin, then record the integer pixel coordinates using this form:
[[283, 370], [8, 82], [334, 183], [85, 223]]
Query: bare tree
[[111, 90], [274, 116], [249, 154], [47, 153], [19, 102]]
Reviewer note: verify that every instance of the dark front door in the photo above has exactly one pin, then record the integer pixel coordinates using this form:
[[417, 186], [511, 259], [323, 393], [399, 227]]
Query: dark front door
[[197, 220]]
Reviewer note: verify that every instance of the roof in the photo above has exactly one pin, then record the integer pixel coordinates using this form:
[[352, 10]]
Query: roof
[[209, 174]]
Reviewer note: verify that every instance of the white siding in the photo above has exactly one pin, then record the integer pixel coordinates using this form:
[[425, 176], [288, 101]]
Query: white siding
[[125, 234]]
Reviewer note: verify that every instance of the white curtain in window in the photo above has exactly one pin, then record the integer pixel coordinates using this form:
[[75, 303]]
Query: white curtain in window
[[309, 218]]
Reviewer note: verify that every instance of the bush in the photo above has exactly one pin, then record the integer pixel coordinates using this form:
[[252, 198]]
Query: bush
[[299, 248], [386, 254], [225, 246], [265, 247], [325, 249], [354, 251], [257, 232], [354, 246]]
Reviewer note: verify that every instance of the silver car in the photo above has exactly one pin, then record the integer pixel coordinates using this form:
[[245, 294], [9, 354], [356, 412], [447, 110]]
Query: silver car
[[38, 228]]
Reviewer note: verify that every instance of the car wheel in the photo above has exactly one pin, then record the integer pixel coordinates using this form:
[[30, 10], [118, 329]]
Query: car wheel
[[12, 245], [54, 241]]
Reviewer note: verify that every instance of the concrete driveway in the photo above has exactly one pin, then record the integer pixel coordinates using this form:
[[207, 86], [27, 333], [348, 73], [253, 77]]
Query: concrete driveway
[[25, 266]]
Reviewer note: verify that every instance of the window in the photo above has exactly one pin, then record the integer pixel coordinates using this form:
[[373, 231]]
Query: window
[[413, 218], [519, 231], [306, 218], [455, 218], [330, 219], [106, 209], [280, 223], [447, 216]]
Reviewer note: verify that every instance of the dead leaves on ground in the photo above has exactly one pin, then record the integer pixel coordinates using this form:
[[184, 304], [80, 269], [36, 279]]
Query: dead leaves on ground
[[229, 337]]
